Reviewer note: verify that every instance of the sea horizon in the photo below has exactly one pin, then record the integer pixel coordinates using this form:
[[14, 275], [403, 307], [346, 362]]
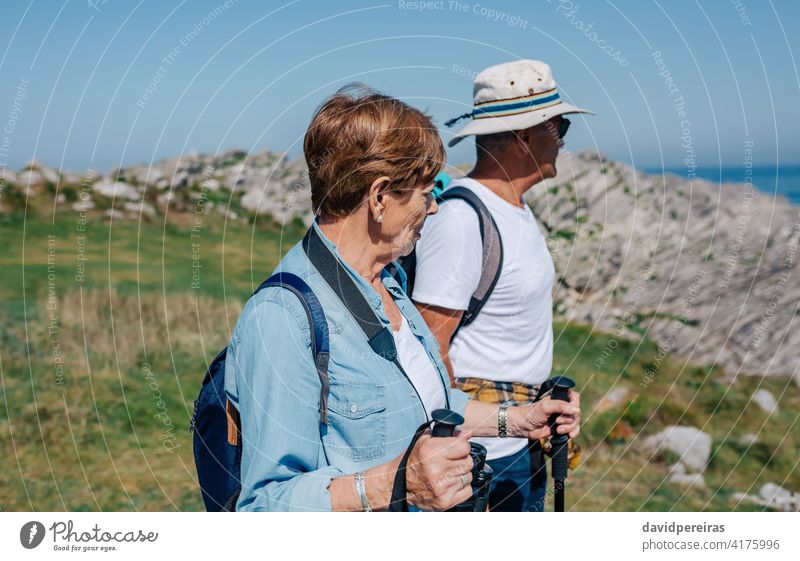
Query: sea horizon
[[775, 180]]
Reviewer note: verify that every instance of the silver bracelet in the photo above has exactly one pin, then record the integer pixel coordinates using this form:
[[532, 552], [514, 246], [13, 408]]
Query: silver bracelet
[[362, 491], [502, 420]]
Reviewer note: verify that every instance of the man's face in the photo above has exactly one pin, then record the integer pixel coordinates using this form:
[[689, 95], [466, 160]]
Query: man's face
[[544, 143]]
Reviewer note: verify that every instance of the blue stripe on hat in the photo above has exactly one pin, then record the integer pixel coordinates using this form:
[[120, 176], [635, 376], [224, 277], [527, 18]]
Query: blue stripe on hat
[[516, 106]]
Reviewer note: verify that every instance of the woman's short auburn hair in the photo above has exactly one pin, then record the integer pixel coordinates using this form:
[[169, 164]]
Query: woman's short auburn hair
[[359, 135]]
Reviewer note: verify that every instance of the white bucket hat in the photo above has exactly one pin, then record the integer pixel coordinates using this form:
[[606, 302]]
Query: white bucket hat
[[513, 96]]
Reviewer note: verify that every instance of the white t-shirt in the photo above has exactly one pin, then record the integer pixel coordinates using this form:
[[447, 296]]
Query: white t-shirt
[[419, 368], [511, 339]]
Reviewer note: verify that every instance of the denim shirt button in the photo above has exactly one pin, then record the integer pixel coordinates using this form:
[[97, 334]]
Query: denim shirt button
[[353, 408]]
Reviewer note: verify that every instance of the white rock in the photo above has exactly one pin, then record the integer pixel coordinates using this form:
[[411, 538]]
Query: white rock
[[695, 480], [766, 401], [8, 176], [211, 184], [692, 444], [260, 203], [29, 177], [773, 496], [71, 178], [677, 469], [165, 198], [138, 208], [83, 205], [777, 497], [117, 189], [148, 175], [749, 438], [49, 174], [114, 213]]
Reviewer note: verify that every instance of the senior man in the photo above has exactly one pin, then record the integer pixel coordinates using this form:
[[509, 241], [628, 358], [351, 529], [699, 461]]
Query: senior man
[[505, 351]]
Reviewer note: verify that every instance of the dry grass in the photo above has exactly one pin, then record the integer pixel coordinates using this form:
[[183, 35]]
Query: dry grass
[[112, 434]]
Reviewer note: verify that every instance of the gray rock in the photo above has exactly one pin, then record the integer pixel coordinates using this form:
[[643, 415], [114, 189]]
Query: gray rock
[[30, 177], [116, 189], [691, 444], [71, 177], [165, 198], [749, 438], [8, 176], [766, 401], [83, 206], [695, 480], [775, 496], [148, 175], [114, 213], [211, 184], [139, 208]]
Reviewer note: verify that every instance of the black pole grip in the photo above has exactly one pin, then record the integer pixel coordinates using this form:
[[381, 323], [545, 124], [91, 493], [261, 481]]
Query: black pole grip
[[560, 390], [560, 462], [561, 386], [445, 422]]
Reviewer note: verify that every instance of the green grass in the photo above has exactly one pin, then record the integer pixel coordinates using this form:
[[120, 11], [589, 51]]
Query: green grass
[[618, 474], [91, 435]]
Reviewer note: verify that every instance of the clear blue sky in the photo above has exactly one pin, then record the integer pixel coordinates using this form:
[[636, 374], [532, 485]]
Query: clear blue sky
[[250, 74]]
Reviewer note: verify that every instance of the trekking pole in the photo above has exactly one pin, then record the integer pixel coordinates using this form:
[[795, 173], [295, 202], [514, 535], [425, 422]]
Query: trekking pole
[[560, 390], [445, 422]]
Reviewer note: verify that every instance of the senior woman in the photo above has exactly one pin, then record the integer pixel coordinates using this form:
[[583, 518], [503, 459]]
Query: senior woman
[[371, 160]]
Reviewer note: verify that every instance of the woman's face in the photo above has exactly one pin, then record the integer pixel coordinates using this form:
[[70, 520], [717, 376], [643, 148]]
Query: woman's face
[[404, 216]]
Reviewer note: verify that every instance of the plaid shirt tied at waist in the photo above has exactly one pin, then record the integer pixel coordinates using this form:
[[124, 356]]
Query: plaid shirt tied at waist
[[518, 393]]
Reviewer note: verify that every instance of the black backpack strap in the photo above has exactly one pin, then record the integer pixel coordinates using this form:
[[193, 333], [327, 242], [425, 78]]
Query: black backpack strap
[[337, 277], [492, 258], [320, 343], [379, 336], [399, 499]]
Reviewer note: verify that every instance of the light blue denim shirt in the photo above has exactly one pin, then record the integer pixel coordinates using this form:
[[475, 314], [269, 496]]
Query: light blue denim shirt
[[288, 456]]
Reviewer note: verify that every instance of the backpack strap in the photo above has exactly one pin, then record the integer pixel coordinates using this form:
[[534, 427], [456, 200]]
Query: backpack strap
[[399, 500], [336, 276], [492, 257], [320, 341], [320, 346], [320, 350], [339, 280]]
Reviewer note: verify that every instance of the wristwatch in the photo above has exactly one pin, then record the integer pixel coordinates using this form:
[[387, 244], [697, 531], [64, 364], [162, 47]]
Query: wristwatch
[[502, 420]]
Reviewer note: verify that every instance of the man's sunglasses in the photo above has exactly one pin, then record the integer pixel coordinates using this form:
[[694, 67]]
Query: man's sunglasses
[[563, 128]]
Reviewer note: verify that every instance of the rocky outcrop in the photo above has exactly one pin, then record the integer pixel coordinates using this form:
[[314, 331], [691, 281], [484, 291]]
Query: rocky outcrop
[[705, 270], [232, 182]]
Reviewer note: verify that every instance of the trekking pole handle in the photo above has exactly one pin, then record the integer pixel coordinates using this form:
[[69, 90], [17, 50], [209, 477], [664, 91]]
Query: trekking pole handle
[[445, 422], [561, 386]]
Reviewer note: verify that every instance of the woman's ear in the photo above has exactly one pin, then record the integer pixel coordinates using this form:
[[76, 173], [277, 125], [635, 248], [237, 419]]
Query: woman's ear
[[376, 197]]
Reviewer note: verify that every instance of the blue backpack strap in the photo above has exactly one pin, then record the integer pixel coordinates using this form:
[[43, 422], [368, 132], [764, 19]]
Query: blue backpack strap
[[320, 342]]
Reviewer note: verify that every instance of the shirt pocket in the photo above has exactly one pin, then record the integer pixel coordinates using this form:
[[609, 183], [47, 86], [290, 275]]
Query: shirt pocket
[[356, 419]]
